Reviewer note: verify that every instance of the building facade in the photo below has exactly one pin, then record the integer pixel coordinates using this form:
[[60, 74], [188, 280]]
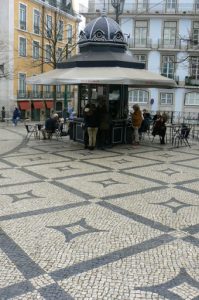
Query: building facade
[[165, 36], [35, 35]]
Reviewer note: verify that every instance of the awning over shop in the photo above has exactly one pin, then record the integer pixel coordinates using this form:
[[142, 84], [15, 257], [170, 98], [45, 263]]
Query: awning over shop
[[24, 105], [103, 75], [49, 104], [38, 104]]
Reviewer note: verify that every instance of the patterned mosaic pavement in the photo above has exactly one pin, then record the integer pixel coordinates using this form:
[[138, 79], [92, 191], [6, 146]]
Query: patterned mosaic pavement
[[79, 224]]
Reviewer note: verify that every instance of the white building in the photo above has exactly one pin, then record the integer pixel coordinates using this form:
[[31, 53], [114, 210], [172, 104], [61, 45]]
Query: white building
[[165, 36]]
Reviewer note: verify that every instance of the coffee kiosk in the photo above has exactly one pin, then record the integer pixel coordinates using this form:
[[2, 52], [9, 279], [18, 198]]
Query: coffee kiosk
[[103, 67]]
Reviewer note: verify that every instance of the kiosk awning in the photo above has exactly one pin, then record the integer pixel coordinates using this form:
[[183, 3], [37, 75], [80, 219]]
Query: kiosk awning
[[24, 105], [38, 104], [103, 75], [49, 104]]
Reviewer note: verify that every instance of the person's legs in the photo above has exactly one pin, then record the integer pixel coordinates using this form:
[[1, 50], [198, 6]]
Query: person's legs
[[89, 136], [94, 135], [86, 138], [136, 134], [162, 136]]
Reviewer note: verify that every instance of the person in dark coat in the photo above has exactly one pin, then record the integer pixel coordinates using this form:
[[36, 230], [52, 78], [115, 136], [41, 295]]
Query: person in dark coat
[[159, 128], [51, 125], [91, 120], [3, 114], [16, 116], [104, 126], [145, 126]]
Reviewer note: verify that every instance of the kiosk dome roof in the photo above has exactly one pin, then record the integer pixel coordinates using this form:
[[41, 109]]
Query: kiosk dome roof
[[102, 30]]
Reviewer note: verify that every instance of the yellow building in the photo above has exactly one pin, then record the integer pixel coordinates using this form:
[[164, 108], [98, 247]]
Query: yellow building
[[45, 32]]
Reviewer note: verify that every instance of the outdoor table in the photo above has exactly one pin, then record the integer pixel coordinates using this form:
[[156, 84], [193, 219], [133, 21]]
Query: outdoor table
[[7, 120]]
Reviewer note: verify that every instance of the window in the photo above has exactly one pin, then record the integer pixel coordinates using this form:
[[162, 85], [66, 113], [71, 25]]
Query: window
[[36, 25], [58, 88], [69, 33], [169, 34], [141, 33], [59, 54], [142, 5], [47, 91], [167, 66], [194, 67], [138, 96], [141, 58], [35, 91], [35, 50], [197, 4], [171, 4], [22, 46], [48, 53], [22, 85], [60, 30], [49, 26], [166, 98], [196, 33], [192, 98], [22, 17]]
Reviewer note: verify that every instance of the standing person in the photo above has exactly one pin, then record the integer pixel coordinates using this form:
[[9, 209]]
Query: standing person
[[3, 114], [16, 116], [104, 126], [91, 120], [85, 113], [136, 118], [145, 126], [159, 128]]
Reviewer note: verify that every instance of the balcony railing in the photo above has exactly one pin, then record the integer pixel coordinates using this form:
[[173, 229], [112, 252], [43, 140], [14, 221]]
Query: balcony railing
[[42, 95], [23, 25], [169, 44], [137, 43], [36, 29], [150, 8], [189, 80]]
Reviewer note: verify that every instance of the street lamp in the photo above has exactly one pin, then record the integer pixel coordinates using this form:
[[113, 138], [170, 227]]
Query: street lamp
[[119, 6]]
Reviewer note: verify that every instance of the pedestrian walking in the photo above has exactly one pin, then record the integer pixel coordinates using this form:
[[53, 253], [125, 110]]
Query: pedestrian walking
[[3, 114], [16, 116]]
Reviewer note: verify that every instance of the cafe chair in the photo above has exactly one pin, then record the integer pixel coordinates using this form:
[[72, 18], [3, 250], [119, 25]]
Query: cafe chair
[[31, 130], [181, 137]]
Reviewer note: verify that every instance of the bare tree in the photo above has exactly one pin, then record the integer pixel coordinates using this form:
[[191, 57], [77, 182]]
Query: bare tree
[[53, 48], [4, 66]]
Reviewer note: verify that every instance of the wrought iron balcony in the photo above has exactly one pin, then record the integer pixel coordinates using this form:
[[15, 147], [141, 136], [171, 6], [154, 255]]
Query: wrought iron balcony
[[42, 95], [169, 44], [191, 81], [140, 43], [144, 8], [23, 25]]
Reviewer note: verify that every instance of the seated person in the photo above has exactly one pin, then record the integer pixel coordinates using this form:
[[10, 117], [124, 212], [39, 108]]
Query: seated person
[[156, 116], [51, 125], [159, 128]]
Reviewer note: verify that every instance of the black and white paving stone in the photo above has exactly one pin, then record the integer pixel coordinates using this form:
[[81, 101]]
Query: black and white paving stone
[[116, 224]]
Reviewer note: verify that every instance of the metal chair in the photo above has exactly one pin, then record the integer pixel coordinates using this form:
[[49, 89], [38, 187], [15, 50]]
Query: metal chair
[[181, 136], [31, 130]]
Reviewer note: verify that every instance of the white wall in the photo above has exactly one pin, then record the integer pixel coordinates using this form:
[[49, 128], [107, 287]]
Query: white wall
[[7, 38]]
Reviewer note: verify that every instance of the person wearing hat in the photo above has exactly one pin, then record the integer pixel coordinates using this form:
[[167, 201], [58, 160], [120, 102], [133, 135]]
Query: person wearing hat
[[51, 125]]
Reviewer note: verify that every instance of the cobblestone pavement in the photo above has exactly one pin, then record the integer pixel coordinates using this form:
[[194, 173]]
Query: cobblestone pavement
[[116, 224]]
